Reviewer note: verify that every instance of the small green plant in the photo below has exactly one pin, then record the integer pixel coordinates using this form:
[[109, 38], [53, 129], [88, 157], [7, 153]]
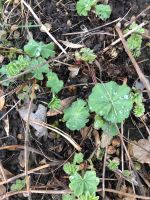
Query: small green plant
[[83, 186], [36, 49], [76, 116], [53, 82], [135, 39], [18, 185], [84, 6], [36, 54], [55, 103], [113, 164], [111, 101], [103, 11], [137, 99], [86, 55]]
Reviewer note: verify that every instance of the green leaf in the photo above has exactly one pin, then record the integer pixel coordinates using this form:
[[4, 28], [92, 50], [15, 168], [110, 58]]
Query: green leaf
[[16, 66], [103, 11], [78, 158], [68, 197], [135, 39], [76, 115], [84, 6], [19, 185], [53, 82], [98, 122], [70, 168], [55, 103], [86, 55], [36, 49], [113, 165], [134, 43], [80, 185], [139, 110], [89, 196], [39, 71], [111, 101], [110, 128]]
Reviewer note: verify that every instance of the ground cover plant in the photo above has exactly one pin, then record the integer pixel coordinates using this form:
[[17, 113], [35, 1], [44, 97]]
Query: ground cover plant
[[74, 100]]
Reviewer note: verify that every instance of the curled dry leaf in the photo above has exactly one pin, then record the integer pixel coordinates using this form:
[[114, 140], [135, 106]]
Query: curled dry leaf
[[2, 99], [141, 151], [65, 103]]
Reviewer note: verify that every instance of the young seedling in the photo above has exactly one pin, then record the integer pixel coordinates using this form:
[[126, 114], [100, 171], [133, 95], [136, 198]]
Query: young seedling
[[86, 55], [103, 11], [83, 186], [135, 39], [19, 185]]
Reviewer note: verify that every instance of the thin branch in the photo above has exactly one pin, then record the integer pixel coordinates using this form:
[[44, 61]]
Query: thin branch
[[135, 64], [43, 27], [125, 35]]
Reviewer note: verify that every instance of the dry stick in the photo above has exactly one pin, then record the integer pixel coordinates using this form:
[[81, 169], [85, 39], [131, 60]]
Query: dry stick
[[9, 194], [23, 174], [142, 78], [60, 132], [43, 27], [104, 170], [26, 143], [125, 35]]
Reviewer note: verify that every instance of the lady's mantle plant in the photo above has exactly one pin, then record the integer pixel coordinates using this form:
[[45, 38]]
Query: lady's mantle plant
[[84, 184], [112, 104]]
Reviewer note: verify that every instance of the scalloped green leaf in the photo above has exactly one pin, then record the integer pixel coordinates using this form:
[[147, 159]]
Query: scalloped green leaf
[[76, 116], [36, 49], [78, 158], [84, 6], [111, 101], [80, 185], [39, 71], [103, 11], [53, 82]]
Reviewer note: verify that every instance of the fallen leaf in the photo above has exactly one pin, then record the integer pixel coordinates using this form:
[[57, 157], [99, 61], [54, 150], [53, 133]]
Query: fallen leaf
[[65, 103], [71, 45], [2, 99], [38, 116], [73, 71], [105, 140], [141, 151]]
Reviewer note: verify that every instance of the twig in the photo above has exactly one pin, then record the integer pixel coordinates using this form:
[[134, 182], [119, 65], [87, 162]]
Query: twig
[[23, 174], [136, 66], [9, 194], [26, 143], [43, 27], [125, 35], [60, 132]]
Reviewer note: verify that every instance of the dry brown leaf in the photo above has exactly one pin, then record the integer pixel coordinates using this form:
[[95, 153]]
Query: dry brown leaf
[[71, 45], [105, 140], [141, 151], [65, 103], [2, 99], [73, 71]]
